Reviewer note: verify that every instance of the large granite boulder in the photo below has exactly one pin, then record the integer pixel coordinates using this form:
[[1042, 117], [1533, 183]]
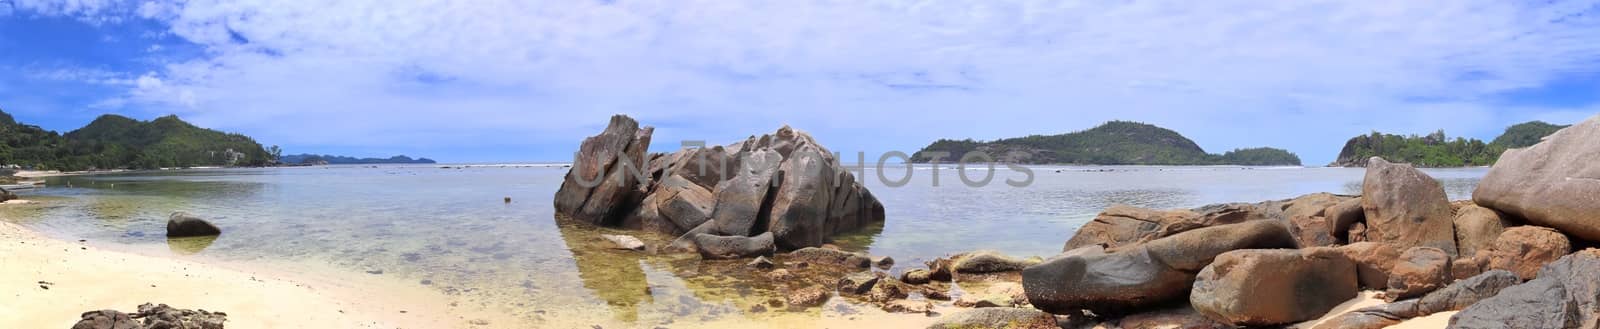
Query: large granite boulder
[[1554, 183], [1121, 225], [1420, 270], [1525, 249], [742, 201], [1406, 208], [1477, 227], [602, 175], [1273, 287], [783, 183], [1454, 297], [182, 224], [1129, 279], [684, 203], [1566, 294], [801, 203]]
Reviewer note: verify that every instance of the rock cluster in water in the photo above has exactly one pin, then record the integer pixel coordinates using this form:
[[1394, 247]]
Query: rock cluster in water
[[1503, 259], [769, 192]]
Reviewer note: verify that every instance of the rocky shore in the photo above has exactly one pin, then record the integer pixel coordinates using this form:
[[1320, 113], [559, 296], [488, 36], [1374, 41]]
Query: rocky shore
[[1516, 255]]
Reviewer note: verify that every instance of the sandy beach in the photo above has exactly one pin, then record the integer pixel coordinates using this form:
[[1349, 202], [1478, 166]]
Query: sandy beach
[[48, 283]]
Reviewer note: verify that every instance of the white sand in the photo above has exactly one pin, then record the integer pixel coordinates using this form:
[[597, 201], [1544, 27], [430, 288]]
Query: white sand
[[1370, 298], [82, 278]]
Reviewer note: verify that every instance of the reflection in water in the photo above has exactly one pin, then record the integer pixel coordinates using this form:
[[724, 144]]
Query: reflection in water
[[190, 245], [451, 230], [614, 276]]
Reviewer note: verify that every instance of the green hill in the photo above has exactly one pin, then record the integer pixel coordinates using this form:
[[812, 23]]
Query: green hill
[[1525, 134], [1112, 143], [116, 142], [1436, 150]]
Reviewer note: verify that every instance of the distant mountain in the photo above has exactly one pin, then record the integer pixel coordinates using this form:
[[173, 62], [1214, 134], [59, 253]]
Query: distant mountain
[[334, 159], [116, 142], [1435, 150], [1112, 143]]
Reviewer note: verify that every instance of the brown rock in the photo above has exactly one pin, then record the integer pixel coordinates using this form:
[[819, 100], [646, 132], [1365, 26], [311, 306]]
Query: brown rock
[[1122, 225], [988, 261], [1373, 262], [1001, 294], [1342, 218], [1553, 183], [1130, 279], [908, 306], [811, 296], [858, 283], [683, 202], [595, 185], [1525, 249], [888, 289], [1406, 208], [1466, 267], [1273, 287], [1477, 227], [1308, 221], [1420, 270]]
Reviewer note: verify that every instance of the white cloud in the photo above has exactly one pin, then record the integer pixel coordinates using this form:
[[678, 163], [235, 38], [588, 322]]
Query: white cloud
[[869, 75]]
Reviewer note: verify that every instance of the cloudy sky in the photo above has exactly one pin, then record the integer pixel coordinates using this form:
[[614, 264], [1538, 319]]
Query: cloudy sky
[[492, 80]]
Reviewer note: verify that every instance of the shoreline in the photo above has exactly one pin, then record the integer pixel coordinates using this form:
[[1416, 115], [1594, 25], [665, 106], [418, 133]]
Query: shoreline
[[52, 281]]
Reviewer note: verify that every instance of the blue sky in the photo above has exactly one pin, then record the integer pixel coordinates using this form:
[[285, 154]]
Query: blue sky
[[484, 81]]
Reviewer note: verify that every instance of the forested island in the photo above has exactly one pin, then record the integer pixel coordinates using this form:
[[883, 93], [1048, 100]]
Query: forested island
[[324, 159], [118, 142], [1437, 150], [1112, 143]]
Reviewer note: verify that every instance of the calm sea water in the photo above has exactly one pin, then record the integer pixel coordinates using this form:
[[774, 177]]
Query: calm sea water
[[448, 228]]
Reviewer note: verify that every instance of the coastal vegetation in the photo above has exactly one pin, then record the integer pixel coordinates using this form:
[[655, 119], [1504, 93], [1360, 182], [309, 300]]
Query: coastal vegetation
[[118, 142], [320, 159], [1437, 150], [1112, 143]]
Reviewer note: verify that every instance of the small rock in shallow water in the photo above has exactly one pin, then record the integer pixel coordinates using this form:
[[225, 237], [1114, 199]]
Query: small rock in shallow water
[[625, 242], [761, 262]]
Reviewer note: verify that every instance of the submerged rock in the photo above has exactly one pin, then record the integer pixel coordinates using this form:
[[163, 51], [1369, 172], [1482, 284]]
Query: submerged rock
[[624, 242], [182, 224], [1406, 208], [989, 261], [726, 247], [1552, 183], [830, 257]]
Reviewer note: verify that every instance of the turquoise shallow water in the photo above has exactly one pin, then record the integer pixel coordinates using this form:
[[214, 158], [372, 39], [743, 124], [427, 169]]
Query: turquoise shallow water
[[450, 229]]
